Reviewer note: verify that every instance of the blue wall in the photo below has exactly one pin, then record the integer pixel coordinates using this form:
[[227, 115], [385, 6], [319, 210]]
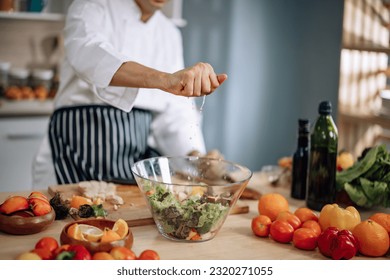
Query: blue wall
[[282, 58]]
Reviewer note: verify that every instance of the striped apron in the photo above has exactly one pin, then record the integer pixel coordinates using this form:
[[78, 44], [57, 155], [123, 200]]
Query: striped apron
[[98, 142]]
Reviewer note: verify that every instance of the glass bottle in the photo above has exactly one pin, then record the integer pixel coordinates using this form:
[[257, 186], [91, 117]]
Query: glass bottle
[[301, 161], [322, 163]]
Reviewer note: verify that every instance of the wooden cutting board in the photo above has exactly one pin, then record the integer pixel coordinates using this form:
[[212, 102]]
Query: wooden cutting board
[[134, 210]]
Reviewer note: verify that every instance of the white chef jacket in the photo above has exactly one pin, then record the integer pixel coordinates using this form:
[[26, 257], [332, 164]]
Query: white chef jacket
[[99, 36]]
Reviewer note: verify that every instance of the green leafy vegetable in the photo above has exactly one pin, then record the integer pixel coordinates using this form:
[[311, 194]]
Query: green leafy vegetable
[[367, 182], [178, 218]]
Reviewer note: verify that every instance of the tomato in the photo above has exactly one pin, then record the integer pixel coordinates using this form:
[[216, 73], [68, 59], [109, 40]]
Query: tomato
[[49, 243], [313, 225], [44, 253], [305, 239], [28, 256], [289, 217], [281, 231], [149, 255], [38, 195], [306, 214], [261, 225], [122, 253], [102, 256]]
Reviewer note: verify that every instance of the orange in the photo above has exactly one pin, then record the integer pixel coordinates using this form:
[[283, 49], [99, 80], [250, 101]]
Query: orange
[[305, 214], [121, 228], [91, 233], [271, 204], [109, 236], [75, 232], [373, 238], [383, 219], [102, 256], [78, 200]]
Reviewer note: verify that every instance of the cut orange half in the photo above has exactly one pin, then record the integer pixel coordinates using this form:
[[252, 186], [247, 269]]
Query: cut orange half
[[91, 233], [78, 200], [75, 232], [121, 228], [109, 236]]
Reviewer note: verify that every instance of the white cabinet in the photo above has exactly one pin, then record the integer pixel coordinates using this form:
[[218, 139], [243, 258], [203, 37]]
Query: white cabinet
[[19, 142]]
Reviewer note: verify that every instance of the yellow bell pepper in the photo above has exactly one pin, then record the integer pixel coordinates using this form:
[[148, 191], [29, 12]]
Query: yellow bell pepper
[[332, 215]]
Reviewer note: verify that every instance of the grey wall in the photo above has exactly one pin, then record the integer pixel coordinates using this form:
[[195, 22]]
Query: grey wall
[[282, 58]]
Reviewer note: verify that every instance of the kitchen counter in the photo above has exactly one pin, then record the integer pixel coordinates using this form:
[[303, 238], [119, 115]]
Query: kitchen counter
[[235, 241]]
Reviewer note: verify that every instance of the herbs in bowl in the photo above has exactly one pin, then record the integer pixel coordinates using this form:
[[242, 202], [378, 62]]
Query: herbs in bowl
[[192, 217]]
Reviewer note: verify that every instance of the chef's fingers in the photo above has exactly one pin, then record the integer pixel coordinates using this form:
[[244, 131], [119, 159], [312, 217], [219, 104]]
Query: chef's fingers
[[221, 78], [188, 83], [198, 85], [216, 154], [213, 81], [206, 85], [197, 80]]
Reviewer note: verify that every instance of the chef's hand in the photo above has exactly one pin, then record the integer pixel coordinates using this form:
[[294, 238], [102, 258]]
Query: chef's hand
[[197, 80], [214, 154], [211, 170]]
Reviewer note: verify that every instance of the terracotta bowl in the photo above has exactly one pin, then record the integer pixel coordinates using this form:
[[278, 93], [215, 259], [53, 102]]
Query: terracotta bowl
[[96, 246], [25, 225]]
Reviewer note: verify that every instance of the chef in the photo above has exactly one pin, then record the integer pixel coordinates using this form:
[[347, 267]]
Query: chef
[[123, 95]]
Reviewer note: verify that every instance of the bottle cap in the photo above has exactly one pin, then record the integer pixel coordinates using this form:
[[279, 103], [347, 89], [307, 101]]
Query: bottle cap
[[304, 125], [325, 108]]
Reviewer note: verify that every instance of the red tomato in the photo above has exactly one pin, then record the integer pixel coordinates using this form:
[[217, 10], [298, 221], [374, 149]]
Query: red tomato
[[305, 239], [281, 231], [261, 225], [289, 217], [305, 214], [311, 224], [44, 253], [49, 243], [149, 255], [122, 253]]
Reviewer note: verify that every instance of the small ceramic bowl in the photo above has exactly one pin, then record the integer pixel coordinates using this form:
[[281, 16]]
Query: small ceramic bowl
[[94, 247], [18, 225]]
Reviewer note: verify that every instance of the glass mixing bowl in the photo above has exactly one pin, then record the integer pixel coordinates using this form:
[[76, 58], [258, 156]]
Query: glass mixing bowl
[[190, 197]]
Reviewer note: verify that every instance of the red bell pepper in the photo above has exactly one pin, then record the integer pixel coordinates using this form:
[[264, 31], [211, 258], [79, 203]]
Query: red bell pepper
[[74, 252], [338, 244]]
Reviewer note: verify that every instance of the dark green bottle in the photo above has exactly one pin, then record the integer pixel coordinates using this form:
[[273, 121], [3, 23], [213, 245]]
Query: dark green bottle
[[301, 161], [322, 163]]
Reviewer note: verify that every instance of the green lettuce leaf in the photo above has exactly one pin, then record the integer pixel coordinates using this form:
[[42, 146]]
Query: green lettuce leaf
[[367, 182]]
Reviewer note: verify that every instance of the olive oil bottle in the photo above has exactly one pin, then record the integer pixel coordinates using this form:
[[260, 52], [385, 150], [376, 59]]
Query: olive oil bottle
[[322, 163]]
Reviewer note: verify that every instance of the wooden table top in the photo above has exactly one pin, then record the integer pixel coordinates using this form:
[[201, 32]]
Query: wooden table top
[[235, 241]]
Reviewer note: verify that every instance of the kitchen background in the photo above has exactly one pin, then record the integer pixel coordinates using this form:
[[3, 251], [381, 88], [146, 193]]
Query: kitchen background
[[282, 56]]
